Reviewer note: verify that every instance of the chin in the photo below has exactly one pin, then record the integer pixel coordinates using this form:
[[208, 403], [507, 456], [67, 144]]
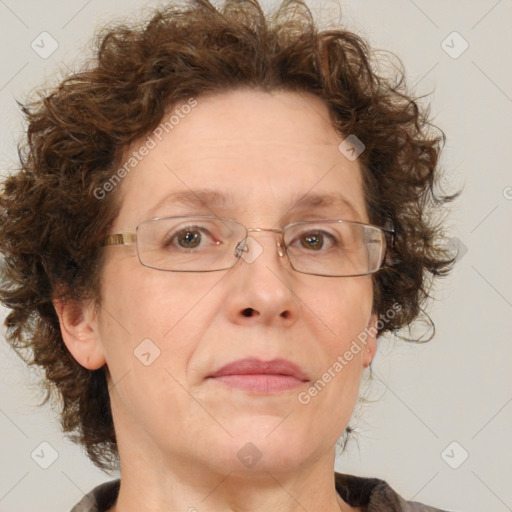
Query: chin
[[265, 444]]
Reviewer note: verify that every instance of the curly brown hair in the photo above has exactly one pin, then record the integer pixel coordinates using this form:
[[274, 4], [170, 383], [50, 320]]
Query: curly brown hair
[[52, 224]]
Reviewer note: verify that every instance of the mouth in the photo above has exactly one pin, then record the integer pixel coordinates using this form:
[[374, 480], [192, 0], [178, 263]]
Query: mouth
[[265, 377]]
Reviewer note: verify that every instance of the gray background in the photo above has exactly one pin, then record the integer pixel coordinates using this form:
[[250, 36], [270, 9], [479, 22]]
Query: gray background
[[457, 388]]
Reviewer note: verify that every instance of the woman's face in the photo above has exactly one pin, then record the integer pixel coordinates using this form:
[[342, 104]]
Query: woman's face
[[163, 333]]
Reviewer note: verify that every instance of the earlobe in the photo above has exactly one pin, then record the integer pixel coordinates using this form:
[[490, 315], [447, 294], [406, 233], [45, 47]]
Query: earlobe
[[371, 341], [79, 330]]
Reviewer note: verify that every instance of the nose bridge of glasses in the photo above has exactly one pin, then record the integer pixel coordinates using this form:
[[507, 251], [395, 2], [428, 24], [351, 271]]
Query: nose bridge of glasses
[[275, 230], [280, 248]]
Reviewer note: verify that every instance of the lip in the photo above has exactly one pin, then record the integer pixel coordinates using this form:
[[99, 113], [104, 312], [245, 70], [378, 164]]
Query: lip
[[252, 374]]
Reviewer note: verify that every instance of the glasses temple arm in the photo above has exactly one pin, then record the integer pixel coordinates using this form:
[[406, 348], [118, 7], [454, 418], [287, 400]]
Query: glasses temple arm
[[120, 239]]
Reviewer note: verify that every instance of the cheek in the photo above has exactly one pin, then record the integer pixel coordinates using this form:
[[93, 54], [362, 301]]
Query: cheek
[[149, 329], [343, 306], [344, 312], [145, 302], [138, 318], [156, 318]]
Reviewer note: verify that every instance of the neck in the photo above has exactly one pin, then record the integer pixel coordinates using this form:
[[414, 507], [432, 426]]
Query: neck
[[156, 485]]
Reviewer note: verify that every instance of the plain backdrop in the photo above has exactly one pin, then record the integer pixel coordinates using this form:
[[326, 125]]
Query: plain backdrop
[[438, 426]]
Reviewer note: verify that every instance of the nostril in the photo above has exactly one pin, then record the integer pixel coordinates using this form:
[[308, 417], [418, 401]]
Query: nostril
[[248, 311]]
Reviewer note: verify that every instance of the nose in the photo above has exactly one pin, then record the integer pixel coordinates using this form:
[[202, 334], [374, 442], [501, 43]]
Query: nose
[[246, 246], [262, 281]]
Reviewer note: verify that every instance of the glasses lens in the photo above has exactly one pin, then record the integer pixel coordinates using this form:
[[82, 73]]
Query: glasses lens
[[335, 248], [189, 244], [204, 243]]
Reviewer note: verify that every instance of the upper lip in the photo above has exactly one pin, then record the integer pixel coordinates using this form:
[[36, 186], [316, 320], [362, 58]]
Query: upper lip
[[254, 366]]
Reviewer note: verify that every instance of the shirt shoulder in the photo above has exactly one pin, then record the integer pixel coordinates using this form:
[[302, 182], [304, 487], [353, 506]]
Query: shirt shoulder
[[375, 495], [100, 499]]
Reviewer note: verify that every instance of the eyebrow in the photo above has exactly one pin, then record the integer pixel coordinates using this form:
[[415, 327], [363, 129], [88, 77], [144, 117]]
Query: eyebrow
[[325, 200], [201, 198], [208, 198]]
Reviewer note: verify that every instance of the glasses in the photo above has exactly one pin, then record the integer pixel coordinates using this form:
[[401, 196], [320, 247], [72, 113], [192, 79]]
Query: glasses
[[336, 248]]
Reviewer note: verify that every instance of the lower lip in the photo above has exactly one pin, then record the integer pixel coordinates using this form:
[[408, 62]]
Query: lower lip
[[260, 383]]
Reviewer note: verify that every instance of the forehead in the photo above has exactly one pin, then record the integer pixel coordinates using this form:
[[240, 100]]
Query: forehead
[[215, 116], [244, 149]]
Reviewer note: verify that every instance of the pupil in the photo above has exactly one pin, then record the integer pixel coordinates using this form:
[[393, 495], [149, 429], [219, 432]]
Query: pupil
[[313, 241], [191, 239]]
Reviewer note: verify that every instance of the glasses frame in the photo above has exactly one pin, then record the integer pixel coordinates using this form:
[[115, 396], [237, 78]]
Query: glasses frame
[[130, 238]]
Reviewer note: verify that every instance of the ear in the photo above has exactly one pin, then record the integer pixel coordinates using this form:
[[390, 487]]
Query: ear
[[371, 341], [79, 329]]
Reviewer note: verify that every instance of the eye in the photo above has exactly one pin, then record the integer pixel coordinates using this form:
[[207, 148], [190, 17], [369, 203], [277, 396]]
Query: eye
[[190, 237], [316, 240]]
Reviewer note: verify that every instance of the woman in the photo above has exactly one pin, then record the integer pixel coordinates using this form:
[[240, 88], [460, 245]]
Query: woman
[[212, 226]]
